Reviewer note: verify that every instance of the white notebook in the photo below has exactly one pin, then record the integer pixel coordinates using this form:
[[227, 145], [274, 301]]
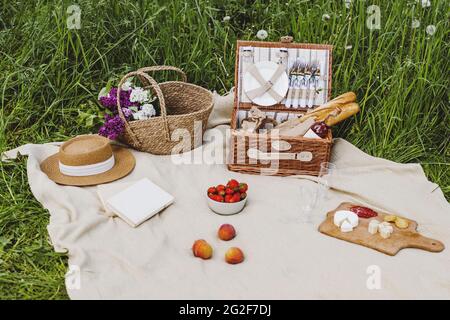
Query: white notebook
[[106, 191], [139, 202]]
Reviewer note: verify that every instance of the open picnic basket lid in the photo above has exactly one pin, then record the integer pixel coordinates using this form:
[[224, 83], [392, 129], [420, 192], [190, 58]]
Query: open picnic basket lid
[[281, 76]]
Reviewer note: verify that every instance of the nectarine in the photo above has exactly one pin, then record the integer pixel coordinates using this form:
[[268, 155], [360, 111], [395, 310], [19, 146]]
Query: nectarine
[[202, 249], [234, 255], [226, 232]]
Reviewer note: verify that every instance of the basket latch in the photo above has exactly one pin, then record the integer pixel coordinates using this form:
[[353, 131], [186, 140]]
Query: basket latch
[[286, 39]]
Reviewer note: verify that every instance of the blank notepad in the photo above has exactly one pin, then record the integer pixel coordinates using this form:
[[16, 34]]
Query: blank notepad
[[139, 202], [106, 191]]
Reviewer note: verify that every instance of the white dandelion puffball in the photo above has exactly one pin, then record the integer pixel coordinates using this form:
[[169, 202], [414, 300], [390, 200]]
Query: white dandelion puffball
[[226, 18], [425, 3], [431, 29], [348, 3], [415, 23], [262, 34], [325, 17]]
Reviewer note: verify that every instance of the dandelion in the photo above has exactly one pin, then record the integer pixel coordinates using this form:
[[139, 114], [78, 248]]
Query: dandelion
[[262, 34], [431, 29], [325, 17], [425, 3], [348, 3], [415, 23], [226, 18]]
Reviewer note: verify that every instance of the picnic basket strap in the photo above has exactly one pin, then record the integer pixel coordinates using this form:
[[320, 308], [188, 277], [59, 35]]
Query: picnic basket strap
[[154, 85], [165, 68]]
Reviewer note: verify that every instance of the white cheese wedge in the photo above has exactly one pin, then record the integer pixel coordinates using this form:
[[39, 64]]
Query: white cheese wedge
[[341, 215], [346, 226], [373, 226]]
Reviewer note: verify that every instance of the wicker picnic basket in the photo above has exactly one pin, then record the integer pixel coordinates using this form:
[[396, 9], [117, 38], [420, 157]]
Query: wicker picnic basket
[[255, 152], [185, 109]]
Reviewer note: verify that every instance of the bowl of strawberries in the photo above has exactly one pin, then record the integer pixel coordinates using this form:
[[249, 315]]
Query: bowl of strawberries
[[227, 199]]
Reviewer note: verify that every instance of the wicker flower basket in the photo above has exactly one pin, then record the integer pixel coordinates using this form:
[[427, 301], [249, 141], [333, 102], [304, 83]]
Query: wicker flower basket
[[185, 109]]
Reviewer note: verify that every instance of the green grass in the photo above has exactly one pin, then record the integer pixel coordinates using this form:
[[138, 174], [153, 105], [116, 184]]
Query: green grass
[[50, 77]]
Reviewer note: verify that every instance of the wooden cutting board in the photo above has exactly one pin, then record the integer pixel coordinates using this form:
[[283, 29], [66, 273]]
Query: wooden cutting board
[[399, 239]]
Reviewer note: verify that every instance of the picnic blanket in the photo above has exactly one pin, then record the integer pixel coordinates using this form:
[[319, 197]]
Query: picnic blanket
[[285, 259]]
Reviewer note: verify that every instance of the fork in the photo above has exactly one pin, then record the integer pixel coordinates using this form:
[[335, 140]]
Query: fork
[[292, 79], [315, 71], [305, 84], [300, 79]]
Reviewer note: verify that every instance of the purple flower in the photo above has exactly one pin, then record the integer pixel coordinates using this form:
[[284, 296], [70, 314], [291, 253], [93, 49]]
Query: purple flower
[[127, 113], [110, 101], [112, 128]]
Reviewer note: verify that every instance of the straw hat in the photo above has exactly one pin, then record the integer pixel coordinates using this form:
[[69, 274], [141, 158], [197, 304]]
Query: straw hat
[[88, 160]]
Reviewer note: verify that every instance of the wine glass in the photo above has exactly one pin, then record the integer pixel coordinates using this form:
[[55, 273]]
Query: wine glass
[[326, 173], [308, 198]]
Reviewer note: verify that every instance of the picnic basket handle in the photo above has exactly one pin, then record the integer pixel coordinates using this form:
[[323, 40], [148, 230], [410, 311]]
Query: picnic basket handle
[[154, 85], [165, 68]]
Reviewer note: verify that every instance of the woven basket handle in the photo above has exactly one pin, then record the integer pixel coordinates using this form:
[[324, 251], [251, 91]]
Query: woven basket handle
[[165, 68], [154, 85]]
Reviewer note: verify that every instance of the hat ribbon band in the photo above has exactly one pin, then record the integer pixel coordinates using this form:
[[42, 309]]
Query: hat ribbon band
[[87, 170]]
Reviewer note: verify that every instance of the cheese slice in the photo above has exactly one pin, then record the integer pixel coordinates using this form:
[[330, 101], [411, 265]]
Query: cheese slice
[[385, 233], [385, 225], [385, 229], [373, 226]]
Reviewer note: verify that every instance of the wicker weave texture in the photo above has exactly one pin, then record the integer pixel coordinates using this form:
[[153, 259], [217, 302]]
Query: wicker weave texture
[[185, 109]]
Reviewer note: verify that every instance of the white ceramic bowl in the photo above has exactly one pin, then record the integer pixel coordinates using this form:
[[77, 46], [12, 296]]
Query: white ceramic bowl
[[226, 208]]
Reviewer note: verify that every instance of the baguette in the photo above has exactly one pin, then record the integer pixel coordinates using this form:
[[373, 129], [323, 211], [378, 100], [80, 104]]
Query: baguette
[[346, 112], [332, 112], [341, 100]]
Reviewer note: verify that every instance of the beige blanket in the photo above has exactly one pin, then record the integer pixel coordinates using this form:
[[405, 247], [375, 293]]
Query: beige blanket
[[284, 259]]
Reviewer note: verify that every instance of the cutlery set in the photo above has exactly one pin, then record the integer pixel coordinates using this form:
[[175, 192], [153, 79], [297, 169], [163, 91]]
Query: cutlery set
[[303, 84]]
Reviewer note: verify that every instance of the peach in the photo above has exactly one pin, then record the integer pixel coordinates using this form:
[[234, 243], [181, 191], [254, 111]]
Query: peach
[[226, 232], [234, 255], [202, 249]]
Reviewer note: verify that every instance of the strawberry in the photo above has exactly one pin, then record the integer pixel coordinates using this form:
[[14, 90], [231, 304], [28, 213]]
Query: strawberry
[[218, 198], [236, 197], [221, 193], [220, 187], [211, 195], [233, 184], [211, 190], [229, 191], [228, 198], [243, 195], [243, 187]]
